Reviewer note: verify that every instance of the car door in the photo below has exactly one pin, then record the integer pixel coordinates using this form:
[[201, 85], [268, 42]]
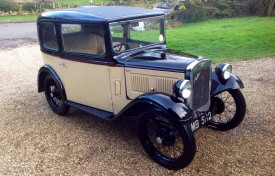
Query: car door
[[85, 74]]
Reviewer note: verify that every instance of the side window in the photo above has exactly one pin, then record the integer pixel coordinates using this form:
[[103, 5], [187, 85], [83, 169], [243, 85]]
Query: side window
[[117, 31], [83, 39], [48, 36]]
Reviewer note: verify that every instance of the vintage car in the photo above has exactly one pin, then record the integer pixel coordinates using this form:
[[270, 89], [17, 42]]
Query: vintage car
[[95, 60]]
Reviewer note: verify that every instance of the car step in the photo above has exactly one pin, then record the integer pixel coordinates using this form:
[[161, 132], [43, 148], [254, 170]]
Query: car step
[[104, 115]]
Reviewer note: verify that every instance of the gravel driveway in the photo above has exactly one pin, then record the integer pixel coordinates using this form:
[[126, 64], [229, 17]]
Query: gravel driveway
[[33, 140]]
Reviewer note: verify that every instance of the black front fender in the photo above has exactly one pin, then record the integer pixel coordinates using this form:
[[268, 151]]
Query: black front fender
[[218, 85], [173, 106]]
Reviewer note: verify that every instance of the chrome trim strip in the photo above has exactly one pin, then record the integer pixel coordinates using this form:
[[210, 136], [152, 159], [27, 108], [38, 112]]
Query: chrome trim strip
[[192, 65]]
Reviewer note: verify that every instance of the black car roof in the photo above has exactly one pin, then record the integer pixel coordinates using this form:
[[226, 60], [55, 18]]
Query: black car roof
[[99, 13]]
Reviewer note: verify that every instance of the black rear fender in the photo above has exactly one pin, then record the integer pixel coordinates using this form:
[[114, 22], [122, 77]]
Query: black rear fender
[[42, 73]]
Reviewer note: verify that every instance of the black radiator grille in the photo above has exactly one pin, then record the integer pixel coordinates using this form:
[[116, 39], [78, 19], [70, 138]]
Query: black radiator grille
[[201, 92]]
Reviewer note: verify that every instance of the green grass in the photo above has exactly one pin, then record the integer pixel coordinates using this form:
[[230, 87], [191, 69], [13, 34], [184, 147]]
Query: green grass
[[226, 39], [19, 18], [149, 36]]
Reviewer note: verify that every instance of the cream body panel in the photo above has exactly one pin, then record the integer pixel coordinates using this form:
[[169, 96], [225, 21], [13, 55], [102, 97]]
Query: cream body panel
[[140, 81], [87, 84], [84, 83], [52, 61], [118, 88]]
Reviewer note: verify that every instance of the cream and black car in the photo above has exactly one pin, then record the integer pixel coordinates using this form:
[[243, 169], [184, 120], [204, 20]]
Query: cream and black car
[[113, 62]]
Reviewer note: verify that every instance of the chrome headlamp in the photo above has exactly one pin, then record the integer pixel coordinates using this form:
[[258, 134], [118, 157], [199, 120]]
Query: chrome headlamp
[[183, 88], [224, 71]]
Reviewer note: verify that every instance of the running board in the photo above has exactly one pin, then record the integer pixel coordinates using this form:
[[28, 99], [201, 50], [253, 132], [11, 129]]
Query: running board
[[104, 115]]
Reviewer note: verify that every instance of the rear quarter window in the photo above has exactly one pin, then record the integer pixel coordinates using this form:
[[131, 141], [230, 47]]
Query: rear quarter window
[[48, 36]]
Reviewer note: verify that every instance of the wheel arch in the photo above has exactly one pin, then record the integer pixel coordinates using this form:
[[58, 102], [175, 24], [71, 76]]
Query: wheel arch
[[43, 73], [175, 108]]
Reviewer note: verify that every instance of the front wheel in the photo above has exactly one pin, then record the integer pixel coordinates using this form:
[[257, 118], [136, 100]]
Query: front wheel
[[170, 144], [228, 109]]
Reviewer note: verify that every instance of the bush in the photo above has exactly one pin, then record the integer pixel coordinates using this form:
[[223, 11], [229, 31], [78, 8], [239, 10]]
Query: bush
[[199, 10], [257, 7], [7, 6], [29, 7], [241, 9], [195, 13]]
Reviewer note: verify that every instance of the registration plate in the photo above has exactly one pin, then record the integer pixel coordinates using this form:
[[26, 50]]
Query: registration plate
[[199, 120]]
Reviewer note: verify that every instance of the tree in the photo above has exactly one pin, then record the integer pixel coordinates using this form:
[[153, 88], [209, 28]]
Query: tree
[[263, 7], [270, 7]]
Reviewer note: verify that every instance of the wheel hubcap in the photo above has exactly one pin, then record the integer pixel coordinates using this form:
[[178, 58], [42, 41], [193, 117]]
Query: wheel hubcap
[[54, 95], [223, 108], [165, 136], [217, 106], [159, 140]]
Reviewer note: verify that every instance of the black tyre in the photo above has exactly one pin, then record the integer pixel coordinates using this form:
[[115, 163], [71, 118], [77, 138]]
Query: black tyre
[[170, 144], [55, 96], [228, 109]]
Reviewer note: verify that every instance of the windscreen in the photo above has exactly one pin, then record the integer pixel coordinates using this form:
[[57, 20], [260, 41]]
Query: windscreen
[[137, 33]]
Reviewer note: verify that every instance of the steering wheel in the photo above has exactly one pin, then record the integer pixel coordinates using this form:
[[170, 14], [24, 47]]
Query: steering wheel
[[118, 46]]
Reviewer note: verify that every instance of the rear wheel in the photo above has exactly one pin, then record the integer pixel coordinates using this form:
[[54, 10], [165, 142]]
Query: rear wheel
[[228, 109], [170, 144], [54, 95]]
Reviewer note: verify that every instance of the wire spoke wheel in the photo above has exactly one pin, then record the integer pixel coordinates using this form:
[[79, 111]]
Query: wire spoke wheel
[[55, 96], [228, 109], [170, 144], [165, 138]]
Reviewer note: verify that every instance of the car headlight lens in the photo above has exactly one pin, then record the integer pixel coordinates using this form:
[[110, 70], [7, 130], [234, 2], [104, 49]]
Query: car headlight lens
[[224, 71], [183, 88]]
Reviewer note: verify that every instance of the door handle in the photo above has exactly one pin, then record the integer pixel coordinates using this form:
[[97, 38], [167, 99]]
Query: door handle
[[62, 64]]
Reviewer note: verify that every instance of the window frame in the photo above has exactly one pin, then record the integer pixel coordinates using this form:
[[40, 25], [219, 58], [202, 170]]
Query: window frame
[[41, 39]]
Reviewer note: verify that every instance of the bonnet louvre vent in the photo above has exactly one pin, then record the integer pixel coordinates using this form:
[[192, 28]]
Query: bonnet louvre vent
[[165, 85], [140, 83], [144, 83]]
